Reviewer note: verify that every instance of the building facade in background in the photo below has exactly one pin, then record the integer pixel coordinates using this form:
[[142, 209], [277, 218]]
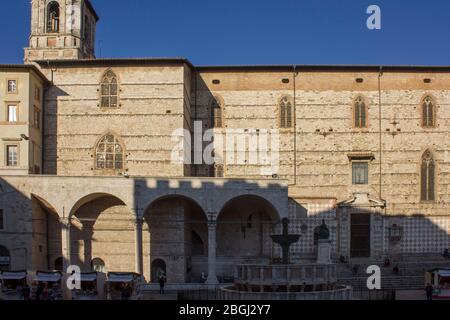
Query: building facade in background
[[87, 174]]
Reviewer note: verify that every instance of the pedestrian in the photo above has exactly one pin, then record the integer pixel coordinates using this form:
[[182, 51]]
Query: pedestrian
[[26, 292], [126, 292], [429, 292], [162, 283], [39, 290], [45, 295]]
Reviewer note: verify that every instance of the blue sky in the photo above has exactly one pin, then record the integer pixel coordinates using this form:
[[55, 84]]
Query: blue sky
[[213, 32]]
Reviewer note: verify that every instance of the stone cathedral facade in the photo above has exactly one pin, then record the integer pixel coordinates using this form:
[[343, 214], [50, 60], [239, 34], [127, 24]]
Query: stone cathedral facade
[[87, 175]]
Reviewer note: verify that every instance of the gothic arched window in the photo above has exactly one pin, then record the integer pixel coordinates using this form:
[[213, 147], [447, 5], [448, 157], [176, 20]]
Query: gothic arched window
[[216, 113], [109, 89], [59, 263], [428, 112], [98, 265], [285, 113], [109, 153], [53, 17], [360, 113], [427, 178]]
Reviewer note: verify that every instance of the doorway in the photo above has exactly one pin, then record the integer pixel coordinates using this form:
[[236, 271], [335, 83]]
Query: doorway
[[158, 267], [360, 235]]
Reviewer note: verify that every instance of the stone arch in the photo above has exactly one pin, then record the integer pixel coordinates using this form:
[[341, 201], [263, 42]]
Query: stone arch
[[170, 221], [53, 17], [159, 267], [46, 204], [244, 226], [185, 197], [275, 215], [97, 222], [47, 232], [92, 197]]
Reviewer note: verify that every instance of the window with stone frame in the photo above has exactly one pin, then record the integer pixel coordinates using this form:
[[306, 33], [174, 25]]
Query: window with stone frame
[[428, 113], [360, 173], [53, 17], [12, 114], [360, 113], [109, 153], [12, 156], [109, 90], [37, 118], [427, 183], [37, 93], [285, 113], [12, 86], [216, 113]]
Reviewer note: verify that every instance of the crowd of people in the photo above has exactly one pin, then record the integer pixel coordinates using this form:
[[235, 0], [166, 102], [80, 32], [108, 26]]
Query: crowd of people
[[46, 291]]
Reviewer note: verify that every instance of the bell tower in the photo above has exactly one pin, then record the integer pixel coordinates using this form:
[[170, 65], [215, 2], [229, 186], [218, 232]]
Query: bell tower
[[61, 29]]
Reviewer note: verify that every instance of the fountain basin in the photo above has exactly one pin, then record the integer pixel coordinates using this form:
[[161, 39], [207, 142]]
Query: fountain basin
[[286, 275]]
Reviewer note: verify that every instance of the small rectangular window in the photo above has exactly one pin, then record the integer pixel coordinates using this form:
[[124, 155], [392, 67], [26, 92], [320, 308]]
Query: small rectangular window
[[37, 93], [12, 86], [12, 113], [12, 156], [360, 173], [37, 118], [2, 222]]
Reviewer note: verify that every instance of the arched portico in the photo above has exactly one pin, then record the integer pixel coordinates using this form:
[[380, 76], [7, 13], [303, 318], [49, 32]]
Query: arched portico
[[244, 227], [50, 238], [176, 224], [102, 226]]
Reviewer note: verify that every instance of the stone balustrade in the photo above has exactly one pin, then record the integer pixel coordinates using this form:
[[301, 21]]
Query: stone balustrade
[[282, 275], [340, 293]]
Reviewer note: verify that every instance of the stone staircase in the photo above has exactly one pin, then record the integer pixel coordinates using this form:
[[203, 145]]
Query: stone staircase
[[411, 275]]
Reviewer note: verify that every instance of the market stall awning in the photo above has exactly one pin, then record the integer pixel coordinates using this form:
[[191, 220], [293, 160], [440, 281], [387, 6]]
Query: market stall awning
[[444, 273], [8, 275], [125, 277], [48, 277], [88, 277]]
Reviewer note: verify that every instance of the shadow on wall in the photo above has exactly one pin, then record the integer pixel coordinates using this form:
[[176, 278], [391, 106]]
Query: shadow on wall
[[50, 128], [24, 233], [175, 236], [175, 214], [176, 226], [358, 234]]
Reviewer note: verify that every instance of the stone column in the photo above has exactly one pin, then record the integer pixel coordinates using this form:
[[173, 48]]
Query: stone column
[[88, 235], [138, 245], [65, 242], [212, 275]]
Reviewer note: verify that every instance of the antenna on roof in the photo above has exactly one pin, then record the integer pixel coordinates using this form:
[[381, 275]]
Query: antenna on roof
[[100, 48]]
